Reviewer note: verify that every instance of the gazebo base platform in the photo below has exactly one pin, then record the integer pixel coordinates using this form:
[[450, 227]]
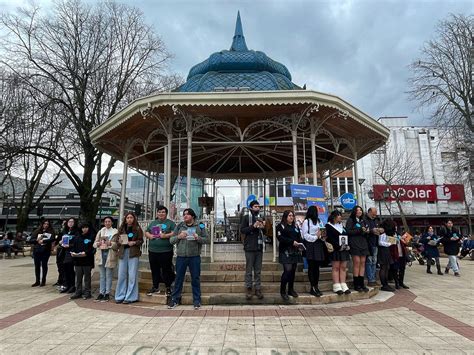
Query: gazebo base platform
[[222, 283]]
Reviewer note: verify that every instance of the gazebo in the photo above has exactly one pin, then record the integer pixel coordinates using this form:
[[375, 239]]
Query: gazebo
[[238, 116]]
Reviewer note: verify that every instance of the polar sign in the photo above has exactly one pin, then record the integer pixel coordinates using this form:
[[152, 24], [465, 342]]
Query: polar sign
[[446, 192], [348, 201]]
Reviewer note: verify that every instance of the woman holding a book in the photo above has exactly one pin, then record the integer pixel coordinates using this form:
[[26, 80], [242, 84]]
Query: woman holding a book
[[315, 253], [358, 231], [431, 241], [384, 258], [128, 243], [336, 235], [69, 232], [289, 236], [105, 258], [42, 240], [82, 252]]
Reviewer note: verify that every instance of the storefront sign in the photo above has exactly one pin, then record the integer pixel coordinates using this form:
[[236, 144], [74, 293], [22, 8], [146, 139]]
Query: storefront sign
[[447, 192]]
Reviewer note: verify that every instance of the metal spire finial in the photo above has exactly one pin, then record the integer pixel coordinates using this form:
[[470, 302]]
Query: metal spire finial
[[238, 42]]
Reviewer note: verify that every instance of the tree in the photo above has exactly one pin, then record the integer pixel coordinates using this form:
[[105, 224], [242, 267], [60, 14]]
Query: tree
[[94, 59], [396, 166], [441, 82]]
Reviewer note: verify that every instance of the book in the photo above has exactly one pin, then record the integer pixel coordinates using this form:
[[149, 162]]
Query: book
[[123, 239], [156, 231], [65, 240], [46, 236], [343, 240], [190, 231], [392, 239]]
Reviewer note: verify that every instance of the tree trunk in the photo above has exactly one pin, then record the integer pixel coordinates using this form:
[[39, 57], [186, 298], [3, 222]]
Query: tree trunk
[[22, 220]]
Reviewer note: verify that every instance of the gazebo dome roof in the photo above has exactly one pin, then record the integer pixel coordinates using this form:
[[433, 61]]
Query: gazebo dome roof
[[238, 69]]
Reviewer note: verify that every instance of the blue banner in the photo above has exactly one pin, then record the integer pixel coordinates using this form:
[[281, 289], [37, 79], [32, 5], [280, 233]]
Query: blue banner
[[309, 195]]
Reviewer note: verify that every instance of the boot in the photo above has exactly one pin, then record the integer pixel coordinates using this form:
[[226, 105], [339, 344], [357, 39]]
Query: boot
[[291, 289], [283, 293], [362, 285], [357, 284], [397, 283], [336, 288], [249, 294], [401, 276], [439, 270], [428, 269], [345, 288]]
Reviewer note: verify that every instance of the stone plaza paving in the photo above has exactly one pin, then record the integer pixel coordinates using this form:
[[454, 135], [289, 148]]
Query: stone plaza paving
[[436, 316]]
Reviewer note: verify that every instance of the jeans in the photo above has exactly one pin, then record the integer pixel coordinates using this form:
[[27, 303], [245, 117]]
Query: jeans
[[106, 274], [371, 265], [41, 262], [127, 282], [194, 264], [305, 264], [253, 261], [453, 263], [161, 265], [83, 272]]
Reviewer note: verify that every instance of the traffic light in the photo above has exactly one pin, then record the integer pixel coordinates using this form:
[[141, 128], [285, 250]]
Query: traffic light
[[138, 210]]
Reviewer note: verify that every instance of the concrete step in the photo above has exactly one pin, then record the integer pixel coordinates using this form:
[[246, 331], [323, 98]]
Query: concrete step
[[269, 298], [239, 287], [232, 276], [228, 266]]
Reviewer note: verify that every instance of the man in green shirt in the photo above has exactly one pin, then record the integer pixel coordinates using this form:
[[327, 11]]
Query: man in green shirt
[[160, 250]]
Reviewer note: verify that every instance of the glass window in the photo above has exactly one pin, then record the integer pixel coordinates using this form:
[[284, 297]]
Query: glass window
[[287, 187], [280, 187], [350, 185], [137, 182]]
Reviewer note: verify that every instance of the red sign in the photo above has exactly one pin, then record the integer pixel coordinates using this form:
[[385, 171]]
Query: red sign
[[447, 192]]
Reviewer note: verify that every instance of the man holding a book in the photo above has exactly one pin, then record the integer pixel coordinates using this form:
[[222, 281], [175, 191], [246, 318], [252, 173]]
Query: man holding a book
[[160, 250]]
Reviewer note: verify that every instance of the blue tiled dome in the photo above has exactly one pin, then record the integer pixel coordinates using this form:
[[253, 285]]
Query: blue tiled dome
[[236, 68]]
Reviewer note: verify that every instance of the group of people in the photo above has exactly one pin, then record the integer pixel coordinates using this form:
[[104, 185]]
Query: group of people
[[11, 244]]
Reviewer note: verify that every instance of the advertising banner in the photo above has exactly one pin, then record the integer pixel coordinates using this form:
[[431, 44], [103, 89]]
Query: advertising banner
[[309, 195], [447, 192]]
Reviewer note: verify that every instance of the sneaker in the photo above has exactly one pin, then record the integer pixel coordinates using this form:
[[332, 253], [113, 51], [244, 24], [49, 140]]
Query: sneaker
[[35, 284], [285, 297], [387, 288], [248, 295], [197, 306], [152, 291], [75, 296], [259, 294], [126, 302], [172, 304], [372, 283], [86, 297], [100, 297], [106, 298], [457, 274], [118, 301], [293, 293]]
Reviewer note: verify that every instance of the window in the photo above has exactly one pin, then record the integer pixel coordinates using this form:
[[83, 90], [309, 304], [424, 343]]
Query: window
[[335, 192], [287, 187], [350, 185], [272, 188], [280, 187], [137, 182]]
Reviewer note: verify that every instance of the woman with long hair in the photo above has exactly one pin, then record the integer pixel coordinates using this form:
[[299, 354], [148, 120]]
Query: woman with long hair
[[335, 233], [105, 258], [128, 243], [289, 237], [384, 258], [42, 240], [357, 231], [311, 233], [69, 232]]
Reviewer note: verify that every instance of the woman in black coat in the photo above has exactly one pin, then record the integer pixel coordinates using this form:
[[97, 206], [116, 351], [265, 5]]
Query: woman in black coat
[[358, 232], [340, 256], [289, 237], [70, 231], [42, 240], [431, 241], [82, 252], [451, 240]]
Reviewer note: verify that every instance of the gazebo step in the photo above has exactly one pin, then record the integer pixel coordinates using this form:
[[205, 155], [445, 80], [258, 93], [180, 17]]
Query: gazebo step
[[239, 287], [232, 276], [269, 298]]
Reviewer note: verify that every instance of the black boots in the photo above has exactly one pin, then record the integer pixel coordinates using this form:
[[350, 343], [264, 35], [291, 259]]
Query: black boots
[[359, 285], [283, 293], [315, 291], [439, 270], [428, 268], [401, 276]]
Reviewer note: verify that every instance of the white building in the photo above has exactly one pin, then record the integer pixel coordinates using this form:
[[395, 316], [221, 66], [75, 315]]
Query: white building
[[435, 160]]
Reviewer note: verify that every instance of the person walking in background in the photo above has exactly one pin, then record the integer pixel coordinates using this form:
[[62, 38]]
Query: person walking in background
[[451, 240], [374, 231], [289, 248], [82, 252], [105, 258], [69, 232], [128, 243], [431, 241], [336, 235], [160, 250], [42, 240], [357, 231], [311, 233], [384, 257], [189, 236], [252, 226]]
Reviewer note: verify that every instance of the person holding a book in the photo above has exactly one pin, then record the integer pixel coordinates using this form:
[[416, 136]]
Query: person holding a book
[[290, 247], [430, 242], [64, 257], [358, 231], [128, 243], [105, 258], [42, 240], [160, 250], [384, 257], [188, 236], [82, 251], [315, 247], [336, 235], [451, 240]]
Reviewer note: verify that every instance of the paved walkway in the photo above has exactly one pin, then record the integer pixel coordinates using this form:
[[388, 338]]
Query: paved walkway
[[434, 317]]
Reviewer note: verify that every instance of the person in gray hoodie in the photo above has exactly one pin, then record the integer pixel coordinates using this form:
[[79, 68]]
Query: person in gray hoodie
[[188, 236]]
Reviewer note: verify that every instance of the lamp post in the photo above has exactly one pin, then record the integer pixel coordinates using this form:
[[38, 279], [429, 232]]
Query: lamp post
[[6, 220], [361, 181]]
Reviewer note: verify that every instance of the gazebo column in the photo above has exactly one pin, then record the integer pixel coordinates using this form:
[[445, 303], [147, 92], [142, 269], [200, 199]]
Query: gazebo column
[[168, 168], [188, 171], [356, 178], [295, 156], [124, 187], [313, 158], [166, 177], [147, 191]]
